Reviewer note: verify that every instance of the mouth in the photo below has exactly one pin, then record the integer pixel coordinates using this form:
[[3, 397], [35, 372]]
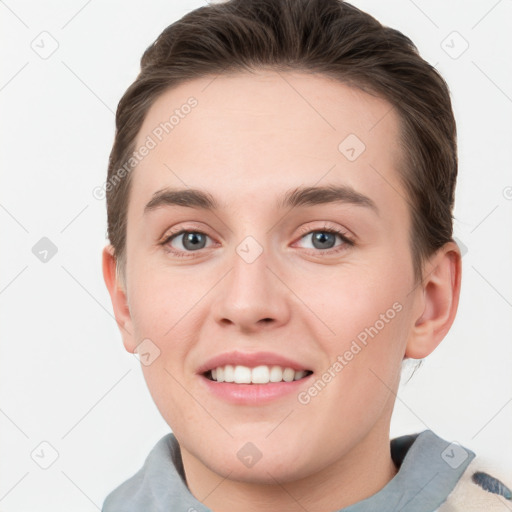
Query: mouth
[[262, 374]]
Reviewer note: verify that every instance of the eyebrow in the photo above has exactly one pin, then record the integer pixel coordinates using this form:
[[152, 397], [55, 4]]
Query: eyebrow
[[297, 197]]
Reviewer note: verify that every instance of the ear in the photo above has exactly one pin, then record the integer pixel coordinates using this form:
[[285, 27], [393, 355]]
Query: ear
[[437, 301], [118, 297]]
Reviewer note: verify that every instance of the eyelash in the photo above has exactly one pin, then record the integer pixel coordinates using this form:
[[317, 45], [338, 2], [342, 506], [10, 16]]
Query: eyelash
[[305, 231]]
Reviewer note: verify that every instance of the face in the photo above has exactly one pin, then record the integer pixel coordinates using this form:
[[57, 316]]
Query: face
[[273, 274]]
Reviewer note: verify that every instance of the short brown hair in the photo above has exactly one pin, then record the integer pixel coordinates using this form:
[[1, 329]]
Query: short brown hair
[[329, 37]]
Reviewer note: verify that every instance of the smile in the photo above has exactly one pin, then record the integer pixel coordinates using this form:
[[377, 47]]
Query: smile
[[262, 374]]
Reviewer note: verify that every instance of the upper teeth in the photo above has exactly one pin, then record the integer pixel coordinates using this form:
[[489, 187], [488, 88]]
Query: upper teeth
[[259, 375]]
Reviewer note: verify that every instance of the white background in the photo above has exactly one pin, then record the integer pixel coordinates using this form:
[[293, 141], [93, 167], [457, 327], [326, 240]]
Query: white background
[[65, 377]]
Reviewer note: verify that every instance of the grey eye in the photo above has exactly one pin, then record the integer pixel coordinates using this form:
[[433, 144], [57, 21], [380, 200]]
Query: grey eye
[[191, 240], [323, 239]]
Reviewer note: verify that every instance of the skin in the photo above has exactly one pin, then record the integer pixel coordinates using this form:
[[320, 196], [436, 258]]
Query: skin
[[251, 138]]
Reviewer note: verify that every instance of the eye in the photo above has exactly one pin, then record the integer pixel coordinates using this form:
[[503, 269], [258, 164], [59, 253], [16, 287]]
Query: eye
[[324, 239], [185, 241]]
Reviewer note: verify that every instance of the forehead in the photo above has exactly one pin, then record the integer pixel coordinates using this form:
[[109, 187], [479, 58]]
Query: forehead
[[264, 131]]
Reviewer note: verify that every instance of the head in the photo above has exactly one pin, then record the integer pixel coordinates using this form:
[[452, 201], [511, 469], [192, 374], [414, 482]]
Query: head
[[257, 104]]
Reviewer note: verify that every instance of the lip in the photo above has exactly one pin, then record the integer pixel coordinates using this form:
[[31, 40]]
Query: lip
[[252, 394], [251, 359]]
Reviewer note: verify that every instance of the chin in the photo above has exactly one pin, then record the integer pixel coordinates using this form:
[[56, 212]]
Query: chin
[[268, 466], [262, 473]]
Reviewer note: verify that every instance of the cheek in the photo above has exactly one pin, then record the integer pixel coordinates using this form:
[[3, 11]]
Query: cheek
[[352, 303], [162, 312], [160, 302], [361, 323]]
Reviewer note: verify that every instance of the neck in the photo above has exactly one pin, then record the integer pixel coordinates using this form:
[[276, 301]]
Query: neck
[[362, 472]]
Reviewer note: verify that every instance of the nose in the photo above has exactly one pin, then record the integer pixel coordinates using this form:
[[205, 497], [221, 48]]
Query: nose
[[252, 296]]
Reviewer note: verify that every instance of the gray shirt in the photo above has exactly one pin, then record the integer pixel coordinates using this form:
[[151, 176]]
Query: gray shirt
[[428, 470]]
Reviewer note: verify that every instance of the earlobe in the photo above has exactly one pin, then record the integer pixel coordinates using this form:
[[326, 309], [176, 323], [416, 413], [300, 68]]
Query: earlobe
[[118, 297], [438, 298]]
